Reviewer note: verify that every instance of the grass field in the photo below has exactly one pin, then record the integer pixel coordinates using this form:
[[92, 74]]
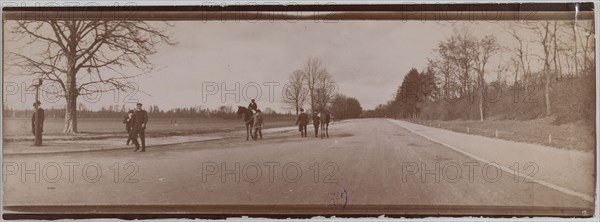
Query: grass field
[[576, 135], [156, 126]]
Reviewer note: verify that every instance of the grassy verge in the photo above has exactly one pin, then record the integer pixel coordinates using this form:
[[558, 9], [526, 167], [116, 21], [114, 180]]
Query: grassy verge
[[18, 129], [577, 136]]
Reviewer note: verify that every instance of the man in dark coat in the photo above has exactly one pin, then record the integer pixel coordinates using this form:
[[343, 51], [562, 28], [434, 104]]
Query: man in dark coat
[[316, 121], [252, 106], [302, 121], [257, 123], [140, 118], [39, 129], [129, 126]]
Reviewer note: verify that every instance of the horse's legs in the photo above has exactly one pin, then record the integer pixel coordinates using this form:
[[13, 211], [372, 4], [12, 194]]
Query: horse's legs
[[251, 133], [322, 130]]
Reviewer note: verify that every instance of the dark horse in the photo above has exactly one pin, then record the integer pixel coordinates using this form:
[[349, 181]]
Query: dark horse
[[249, 124], [324, 118]]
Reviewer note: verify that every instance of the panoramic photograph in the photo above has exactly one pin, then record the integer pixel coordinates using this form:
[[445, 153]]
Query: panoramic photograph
[[315, 116]]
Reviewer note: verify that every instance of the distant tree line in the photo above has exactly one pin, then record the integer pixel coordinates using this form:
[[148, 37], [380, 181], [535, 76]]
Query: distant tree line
[[114, 111], [550, 72], [343, 107]]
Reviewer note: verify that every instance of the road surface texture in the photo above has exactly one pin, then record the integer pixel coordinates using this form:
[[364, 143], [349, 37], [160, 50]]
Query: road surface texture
[[367, 166]]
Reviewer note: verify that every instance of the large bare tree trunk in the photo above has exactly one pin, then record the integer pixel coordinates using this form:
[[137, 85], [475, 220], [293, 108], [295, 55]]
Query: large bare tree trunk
[[71, 116], [71, 95], [71, 108]]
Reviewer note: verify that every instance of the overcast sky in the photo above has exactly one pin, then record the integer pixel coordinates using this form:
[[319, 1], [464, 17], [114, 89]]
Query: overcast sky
[[367, 59]]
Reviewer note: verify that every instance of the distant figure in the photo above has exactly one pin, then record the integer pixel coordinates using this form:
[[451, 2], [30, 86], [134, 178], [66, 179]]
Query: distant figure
[[315, 120], [129, 126], [252, 106], [302, 121], [139, 120], [257, 122], [39, 129]]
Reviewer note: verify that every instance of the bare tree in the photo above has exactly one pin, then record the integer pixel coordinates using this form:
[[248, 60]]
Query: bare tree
[[443, 65], [515, 64], [544, 37], [557, 49], [574, 25], [587, 43], [486, 47], [524, 58], [326, 89], [460, 50], [313, 72], [84, 57], [294, 94]]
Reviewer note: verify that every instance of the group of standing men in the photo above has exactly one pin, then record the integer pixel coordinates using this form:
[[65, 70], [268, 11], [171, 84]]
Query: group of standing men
[[302, 122], [135, 124]]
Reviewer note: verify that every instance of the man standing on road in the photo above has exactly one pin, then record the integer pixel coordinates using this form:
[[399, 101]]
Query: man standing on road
[[129, 125], [302, 121], [257, 122], [37, 128], [316, 120], [139, 120]]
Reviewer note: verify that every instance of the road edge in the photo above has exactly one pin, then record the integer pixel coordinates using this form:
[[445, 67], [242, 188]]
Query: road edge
[[121, 147], [565, 190]]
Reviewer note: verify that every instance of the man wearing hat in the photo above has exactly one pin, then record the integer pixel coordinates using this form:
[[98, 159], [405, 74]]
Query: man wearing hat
[[257, 122], [253, 106], [129, 126], [302, 121], [139, 120], [37, 129], [316, 120]]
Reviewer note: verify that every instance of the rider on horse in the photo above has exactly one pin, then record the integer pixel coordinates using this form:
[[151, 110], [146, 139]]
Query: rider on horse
[[252, 106]]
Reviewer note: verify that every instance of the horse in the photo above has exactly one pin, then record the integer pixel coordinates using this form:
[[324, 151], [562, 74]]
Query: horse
[[324, 118], [249, 124]]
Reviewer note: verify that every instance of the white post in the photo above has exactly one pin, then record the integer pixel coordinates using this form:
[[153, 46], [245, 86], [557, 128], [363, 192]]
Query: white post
[[496, 133], [550, 138], [467, 129]]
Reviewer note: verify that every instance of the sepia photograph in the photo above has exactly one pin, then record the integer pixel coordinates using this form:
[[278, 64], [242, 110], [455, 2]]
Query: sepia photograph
[[297, 111]]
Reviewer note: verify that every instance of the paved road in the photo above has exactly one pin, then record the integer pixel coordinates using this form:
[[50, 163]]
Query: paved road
[[363, 163]]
